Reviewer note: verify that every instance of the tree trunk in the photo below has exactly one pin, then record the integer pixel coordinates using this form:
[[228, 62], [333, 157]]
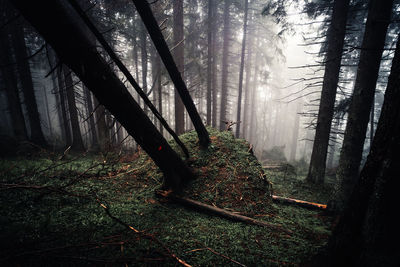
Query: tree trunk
[[180, 86], [245, 123], [379, 14], [143, 44], [67, 36], [367, 232], [335, 39], [295, 135], [224, 72], [178, 53], [10, 81], [210, 57], [92, 124], [21, 55], [63, 104], [239, 104], [77, 143]]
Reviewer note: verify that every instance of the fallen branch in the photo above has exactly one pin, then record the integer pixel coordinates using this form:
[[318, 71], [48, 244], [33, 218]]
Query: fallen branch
[[218, 211], [300, 203]]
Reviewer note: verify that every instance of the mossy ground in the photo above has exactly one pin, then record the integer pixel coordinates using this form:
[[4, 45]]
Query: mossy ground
[[52, 215]]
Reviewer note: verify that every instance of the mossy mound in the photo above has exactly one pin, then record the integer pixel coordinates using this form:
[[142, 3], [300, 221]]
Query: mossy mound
[[227, 174]]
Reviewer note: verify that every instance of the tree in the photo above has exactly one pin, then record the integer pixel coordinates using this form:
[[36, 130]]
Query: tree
[[367, 232], [239, 105], [224, 71], [68, 37], [210, 56], [9, 78], [150, 22], [379, 13], [178, 53], [77, 142], [335, 41], [24, 71]]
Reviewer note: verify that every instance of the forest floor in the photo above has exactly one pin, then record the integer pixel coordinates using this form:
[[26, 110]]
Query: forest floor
[[103, 210]]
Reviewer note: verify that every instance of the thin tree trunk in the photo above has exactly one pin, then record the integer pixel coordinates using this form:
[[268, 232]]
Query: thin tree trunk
[[180, 86], [245, 123], [63, 104], [210, 24], [239, 105], [379, 14], [77, 143], [178, 53], [214, 68], [95, 72], [335, 39], [224, 72], [295, 134], [143, 44], [92, 125]]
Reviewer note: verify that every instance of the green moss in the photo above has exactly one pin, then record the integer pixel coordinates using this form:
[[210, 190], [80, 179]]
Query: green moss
[[49, 227]]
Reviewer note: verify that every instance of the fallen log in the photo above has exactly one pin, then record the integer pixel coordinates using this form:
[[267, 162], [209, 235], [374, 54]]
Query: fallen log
[[218, 211], [301, 203]]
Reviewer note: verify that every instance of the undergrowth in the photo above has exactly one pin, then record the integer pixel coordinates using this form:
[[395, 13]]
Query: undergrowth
[[53, 211]]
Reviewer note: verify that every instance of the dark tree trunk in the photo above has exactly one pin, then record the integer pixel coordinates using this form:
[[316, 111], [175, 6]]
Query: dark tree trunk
[[368, 232], [10, 81], [63, 104], [143, 44], [67, 36], [77, 143], [102, 130], [379, 14], [92, 124], [21, 55], [180, 86], [214, 69], [335, 39], [178, 53], [239, 105], [225, 54], [210, 57]]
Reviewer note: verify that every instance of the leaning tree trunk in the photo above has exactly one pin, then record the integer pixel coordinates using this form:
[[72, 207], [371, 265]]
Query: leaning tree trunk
[[67, 35], [335, 39], [239, 105], [77, 142], [28, 90], [224, 76], [368, 232], [379, 13], [150, 22]]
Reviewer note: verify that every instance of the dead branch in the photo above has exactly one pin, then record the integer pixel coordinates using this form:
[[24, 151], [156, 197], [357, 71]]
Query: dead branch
[[300, 203], [218, 211]]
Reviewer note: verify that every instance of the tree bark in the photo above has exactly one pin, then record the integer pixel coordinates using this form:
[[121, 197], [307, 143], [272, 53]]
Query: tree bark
[[379, 14], [178, 54], [92, 124], [335, 39], [63, 104], [224, 71], [367, 232], [10, 81], [77, 142], [210, 24], [242, 57], [21, 55], [180, 86], [67, 35]]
